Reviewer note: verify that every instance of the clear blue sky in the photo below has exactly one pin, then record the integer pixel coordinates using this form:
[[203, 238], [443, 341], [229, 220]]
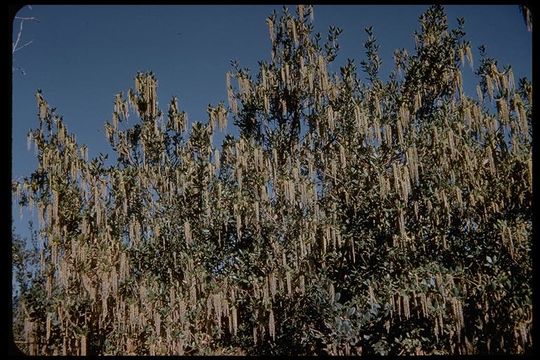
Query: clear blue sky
[[81, 56]]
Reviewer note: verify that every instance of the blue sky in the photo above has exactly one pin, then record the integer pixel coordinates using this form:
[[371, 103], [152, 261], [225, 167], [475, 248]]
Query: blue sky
[[81, 56]]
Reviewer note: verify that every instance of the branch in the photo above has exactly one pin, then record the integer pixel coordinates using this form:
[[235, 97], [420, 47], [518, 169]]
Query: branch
[[527, 17], [19, 48], [26, 18], [15, 45]]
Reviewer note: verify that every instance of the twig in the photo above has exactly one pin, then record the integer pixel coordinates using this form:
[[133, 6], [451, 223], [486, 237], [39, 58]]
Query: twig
[[26, 18], [28, 43], [15, 45]]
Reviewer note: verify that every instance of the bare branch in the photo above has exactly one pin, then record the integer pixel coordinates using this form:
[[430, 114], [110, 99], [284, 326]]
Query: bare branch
[[527, 16], [28, 43], [26, 18], [19, 34], [18, 37]]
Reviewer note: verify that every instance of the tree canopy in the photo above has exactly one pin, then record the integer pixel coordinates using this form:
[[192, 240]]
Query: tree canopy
[[352, 215]]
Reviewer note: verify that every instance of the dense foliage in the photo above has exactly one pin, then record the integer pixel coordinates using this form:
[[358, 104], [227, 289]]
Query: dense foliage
[[352, 215]]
